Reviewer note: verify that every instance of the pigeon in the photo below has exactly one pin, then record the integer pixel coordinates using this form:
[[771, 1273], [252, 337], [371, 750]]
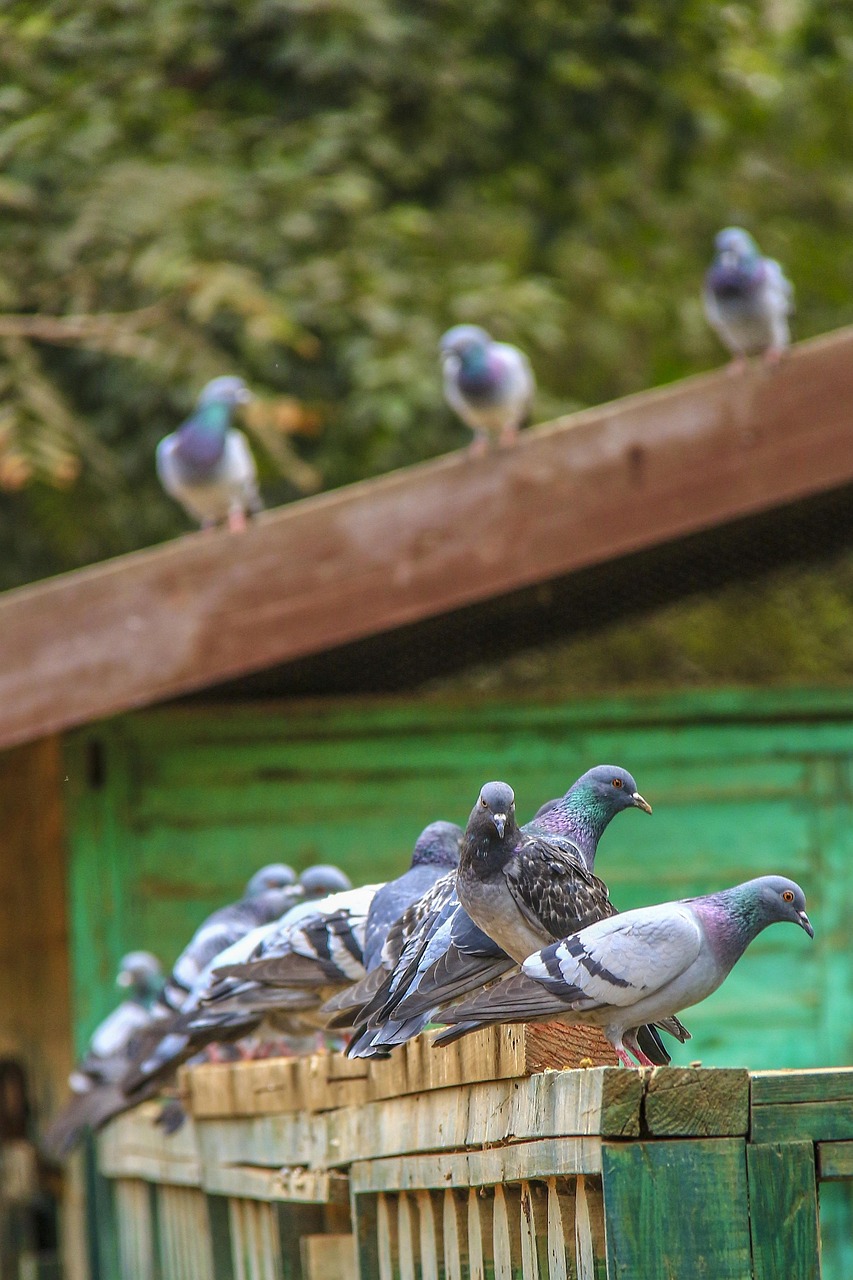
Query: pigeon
[[230, 934], [207, 465], [94, 1080], [747, 298], [490, 385], [436, 849], [551, 860], [642, 966], [271, 891]]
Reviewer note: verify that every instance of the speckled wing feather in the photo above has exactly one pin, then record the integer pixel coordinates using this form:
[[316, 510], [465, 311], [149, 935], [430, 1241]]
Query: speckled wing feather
[[554, 890]]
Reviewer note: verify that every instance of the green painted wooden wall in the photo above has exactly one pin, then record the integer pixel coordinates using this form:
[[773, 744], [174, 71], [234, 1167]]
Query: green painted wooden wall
[[170, 811]]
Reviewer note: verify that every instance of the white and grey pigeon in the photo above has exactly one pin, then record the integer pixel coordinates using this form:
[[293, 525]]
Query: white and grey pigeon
[[94, 1080], [747, 298], [435, 853], [643, 966], [206, 464], [490, 385]]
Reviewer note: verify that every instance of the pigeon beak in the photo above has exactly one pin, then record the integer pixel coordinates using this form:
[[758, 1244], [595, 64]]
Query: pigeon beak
[[805, 923], [499, 819], [641, 803]]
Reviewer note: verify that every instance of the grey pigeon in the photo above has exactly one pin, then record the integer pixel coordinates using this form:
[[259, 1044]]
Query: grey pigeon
[[95, 1078], [489, 384], [436, 850], [550, 873], [643, 966], [747, 297], [206, 464], [270, 892], [229, 934]]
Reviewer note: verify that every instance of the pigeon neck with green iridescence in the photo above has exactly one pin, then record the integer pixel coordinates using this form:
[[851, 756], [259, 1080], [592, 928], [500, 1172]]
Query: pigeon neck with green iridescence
[[732, 919], [582, 816]]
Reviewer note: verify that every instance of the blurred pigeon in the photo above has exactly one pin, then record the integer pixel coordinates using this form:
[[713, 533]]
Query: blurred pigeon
[[550, 871], [436, 849], [489, 384], [228, 935], [95, 1078], [747, 298], [638, 967], [207, 465], [271, 891]]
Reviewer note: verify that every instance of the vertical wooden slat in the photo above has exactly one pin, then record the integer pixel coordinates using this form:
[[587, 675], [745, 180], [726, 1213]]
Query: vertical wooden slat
[[529, 1255], [501, 1237], [383, 1238], [404, 1236], [238, 1246], [783, 1210], [450, 1232], [584, 1251], [476, 1263], [429, 1250], [557, 1269]]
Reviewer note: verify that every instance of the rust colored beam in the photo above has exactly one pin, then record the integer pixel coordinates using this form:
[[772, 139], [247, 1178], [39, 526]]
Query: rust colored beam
[[420, 542]]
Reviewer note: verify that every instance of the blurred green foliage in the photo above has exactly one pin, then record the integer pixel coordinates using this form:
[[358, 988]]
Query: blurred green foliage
[[308, 192]]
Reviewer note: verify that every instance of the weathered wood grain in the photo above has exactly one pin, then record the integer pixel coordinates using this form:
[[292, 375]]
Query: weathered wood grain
[[783, 1211], [676, 1209], [834, 1160], [696, 1102], [829, 1084], [329, 1257], [810, 1121], [515, 1162], [391, 551]]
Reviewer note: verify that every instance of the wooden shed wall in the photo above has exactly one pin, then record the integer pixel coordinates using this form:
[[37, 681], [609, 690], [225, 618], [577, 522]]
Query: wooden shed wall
[[172, 810], [35, 1019]]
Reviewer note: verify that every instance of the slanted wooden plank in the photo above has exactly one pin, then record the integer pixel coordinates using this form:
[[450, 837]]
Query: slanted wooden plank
[[834, 1160], [329, 1257], [405, 1238], [829, 1084], [451, 1229], [266, 1141], [783, 1211], [476, 1256], [676, 1209], [515, 1162], [501, 1240], [584, 1241], [427, 1236], [557, 1269], [812, 1121], [696, 1102], [527, 1224], [390, 551], [383, 1238], [293, 1185]]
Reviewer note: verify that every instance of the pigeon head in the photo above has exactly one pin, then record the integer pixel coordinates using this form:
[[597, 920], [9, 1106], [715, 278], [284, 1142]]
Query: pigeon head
[[462, 339], [276, 875], [321, 880], [495, 807], [780, 899], [227, 390], [735, 248], [140, 973], [438, 845], [584, 812]]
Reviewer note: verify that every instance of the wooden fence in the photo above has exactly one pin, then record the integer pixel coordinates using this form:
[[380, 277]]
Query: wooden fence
[[478, 1163]]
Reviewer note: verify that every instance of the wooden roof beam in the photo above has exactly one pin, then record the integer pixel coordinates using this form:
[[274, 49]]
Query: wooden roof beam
[[420, 542]]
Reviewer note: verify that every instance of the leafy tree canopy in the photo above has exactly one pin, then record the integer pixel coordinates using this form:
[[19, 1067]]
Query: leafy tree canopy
[[308, 192]]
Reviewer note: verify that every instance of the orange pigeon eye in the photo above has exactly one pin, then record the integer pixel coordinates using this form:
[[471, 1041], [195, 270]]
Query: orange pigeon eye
[[617, 782], [788, 895]]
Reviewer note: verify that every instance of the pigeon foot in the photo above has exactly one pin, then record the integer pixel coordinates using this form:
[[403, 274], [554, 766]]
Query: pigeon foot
[[737, 366], [237, 520]]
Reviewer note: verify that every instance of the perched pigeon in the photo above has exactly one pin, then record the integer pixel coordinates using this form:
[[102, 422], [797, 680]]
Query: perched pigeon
[[489, 384], [207, 465], [94, 1081], [549, 890], [229, 935], [271, 891], [436, 849], [747, 298], [639, 967]]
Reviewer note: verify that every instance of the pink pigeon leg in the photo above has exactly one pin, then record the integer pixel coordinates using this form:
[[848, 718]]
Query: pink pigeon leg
[[237, 520], [737, 365]]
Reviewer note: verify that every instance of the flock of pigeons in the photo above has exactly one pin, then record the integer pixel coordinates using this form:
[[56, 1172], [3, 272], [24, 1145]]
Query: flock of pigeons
[[207, 465], [496, 923]]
